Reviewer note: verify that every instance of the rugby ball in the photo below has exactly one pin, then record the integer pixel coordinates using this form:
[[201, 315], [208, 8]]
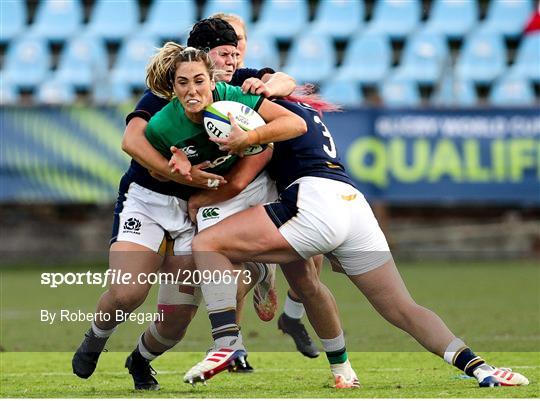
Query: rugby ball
[[217, 125]]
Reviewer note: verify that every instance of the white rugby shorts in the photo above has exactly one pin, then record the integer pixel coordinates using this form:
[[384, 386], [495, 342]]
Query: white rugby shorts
[[322, 216], [261, 190], [145, 217]]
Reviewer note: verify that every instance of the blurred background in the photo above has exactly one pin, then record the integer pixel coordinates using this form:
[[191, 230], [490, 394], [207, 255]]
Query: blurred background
[[440, 127]]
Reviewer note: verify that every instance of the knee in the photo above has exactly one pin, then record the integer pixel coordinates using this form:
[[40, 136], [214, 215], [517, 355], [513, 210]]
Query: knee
[[127, 300], [306, 288]]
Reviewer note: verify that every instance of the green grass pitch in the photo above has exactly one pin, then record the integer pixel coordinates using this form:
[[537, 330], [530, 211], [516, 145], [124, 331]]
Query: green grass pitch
[[495, 307]]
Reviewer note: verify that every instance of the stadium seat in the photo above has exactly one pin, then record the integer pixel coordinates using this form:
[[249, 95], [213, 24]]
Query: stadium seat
[[12, 19], [27, 62], [452, 92], [55, 92], [311, 58], [396, 18], [8, 93], [112, 93], [133, 56], [282, 19], [512, 91], [114, 20], [452, 18], [376, 49], [338, 18], [395, 92], [83, 61], [262, 52], [527, 61], [170, 19], [343, 93], [58, 20], [242, 8], [423, 58], [482, 58], [508, 17]]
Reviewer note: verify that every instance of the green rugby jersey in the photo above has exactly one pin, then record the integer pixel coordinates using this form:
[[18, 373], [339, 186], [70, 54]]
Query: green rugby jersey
[[171, 127]]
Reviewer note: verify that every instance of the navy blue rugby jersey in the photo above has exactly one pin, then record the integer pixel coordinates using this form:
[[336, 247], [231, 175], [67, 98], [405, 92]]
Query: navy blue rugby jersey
[[148, 105], [312, 154]]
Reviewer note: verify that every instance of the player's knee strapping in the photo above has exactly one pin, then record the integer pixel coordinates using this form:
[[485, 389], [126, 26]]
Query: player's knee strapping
[[171, 294]]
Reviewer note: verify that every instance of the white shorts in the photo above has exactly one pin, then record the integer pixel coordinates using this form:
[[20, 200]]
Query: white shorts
[[146, 217], [322, 216], [261, 190]]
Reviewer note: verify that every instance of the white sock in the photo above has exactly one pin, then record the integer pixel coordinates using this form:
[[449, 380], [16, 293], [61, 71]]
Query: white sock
[[333, 344], [100, 332], [293, 309], [454, 347], [144, 351]]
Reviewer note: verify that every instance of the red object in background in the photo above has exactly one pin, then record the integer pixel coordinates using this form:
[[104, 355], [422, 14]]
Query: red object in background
[[533, 25]]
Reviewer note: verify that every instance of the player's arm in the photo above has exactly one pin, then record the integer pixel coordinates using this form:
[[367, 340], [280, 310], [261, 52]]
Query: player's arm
[[281, 124], [277, 84], [241, 175]]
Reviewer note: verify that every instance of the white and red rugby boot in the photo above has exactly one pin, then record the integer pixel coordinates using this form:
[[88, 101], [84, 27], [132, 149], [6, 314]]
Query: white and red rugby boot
[[216, 361], [490, 376], [344, 375], [265, 294]]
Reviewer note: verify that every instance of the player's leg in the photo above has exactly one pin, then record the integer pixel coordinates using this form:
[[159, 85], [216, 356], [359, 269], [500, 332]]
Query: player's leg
[[127, 257], [177, 304], [366, 258], [323, 314], [290, 320], [257, 241]]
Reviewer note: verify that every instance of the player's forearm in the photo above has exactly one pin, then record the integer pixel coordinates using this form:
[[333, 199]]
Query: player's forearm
[[280, 129], [135, 144], [279, 84], [240, 176]]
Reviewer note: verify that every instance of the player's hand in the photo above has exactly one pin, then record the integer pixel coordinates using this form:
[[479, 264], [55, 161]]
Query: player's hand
[[204, 179], [256, 87], [179, 163], [236, 142]]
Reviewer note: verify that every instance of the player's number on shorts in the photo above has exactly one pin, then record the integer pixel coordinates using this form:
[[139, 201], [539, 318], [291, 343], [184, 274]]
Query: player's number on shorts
[[330, 150]]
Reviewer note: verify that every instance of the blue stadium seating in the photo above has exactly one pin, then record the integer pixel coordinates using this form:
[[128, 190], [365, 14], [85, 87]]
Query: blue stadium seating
[[133, 57], [367, 59], [112, 93], [396, 92], [58, 20], [83, 61], [527, 62], [56, 92], [512, 91], [27, 62], [455, 92], [508, 17], [282, 19], [8, 93], [453, 18], [114, 20], [311, 58], [396, 18], [241, 8], [338, 18], [262, 52], [340, 92], [482, 58], [423, 59], [12, 19], [170, 19]]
